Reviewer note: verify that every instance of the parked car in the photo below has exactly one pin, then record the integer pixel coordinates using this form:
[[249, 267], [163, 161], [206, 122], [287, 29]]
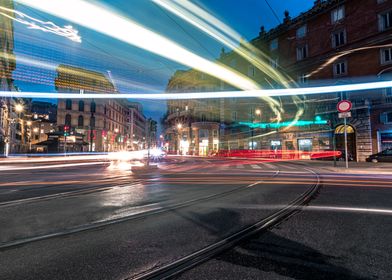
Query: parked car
[[384, 156]]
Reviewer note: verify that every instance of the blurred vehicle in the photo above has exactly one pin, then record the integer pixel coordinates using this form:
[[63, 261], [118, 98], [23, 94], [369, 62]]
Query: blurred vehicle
[[384, 156], [157, 154]]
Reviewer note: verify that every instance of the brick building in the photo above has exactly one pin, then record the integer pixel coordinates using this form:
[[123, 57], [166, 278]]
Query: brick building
[[335, 42]]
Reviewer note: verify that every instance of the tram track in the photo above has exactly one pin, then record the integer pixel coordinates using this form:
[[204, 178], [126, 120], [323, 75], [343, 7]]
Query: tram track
[[179, 266], [152, 210]]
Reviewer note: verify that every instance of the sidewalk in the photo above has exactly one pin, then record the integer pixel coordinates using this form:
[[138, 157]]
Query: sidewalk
[[353, 167]]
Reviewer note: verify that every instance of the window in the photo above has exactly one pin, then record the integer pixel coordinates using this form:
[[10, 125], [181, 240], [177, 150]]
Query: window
[[274, 62], [337, 14], [303, 79], [273, 44], [68, 104], [340, 68], [233, 63], [234, 116], [67, 120], [93, 107], [251, 71], [301, 32], [338, 38], [386, 56], [302, 52], [92, 122], [385, 20], [81, 106], [80, 121]]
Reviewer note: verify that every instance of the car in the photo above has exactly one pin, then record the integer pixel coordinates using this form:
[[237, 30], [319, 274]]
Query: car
[[384, 156]]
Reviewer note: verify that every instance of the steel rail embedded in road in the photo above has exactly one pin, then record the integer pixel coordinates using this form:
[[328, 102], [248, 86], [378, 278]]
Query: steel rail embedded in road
[[90, 190], [140, 215], [198, 257]]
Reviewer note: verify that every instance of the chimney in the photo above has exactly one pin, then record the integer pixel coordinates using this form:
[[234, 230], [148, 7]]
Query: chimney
[[262, 31]]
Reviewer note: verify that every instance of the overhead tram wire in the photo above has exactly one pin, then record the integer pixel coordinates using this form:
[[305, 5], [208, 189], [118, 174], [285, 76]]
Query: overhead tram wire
[[273, 11]]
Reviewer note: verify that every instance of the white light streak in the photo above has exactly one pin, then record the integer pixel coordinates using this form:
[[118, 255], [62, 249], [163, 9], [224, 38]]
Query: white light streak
[[123, 29], [46, 26], [207, 95]]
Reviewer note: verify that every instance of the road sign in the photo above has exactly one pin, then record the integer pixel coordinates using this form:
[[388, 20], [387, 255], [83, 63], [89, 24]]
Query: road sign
[[344, 106], [344, 115]]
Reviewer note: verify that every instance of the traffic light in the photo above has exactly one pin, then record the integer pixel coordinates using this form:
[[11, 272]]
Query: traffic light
[[66, 130]]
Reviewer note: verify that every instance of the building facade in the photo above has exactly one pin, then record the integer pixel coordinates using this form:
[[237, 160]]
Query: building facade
[[107, 125], [334, 43]]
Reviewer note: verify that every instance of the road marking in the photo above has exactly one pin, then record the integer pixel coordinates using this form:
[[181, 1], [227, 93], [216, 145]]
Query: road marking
[[255, 166]]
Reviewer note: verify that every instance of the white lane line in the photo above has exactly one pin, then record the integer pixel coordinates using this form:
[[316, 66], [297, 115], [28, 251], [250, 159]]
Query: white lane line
[[269, 166], [255, 166]]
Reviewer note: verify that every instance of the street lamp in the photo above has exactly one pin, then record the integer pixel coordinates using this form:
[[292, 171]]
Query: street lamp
[[19, 108]]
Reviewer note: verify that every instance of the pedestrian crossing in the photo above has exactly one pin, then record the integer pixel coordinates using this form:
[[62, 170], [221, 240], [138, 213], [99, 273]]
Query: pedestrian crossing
[[260, 167]]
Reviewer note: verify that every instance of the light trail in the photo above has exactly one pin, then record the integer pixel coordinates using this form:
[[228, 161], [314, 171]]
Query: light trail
[[206, 95], [46, 26], [118, 27], [218, 30]]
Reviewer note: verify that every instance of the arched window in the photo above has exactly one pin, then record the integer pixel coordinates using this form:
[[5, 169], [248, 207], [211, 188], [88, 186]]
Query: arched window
[[68, 104], [81, 106], [68, 119], [92, 122], [93, 107], [80, 121]]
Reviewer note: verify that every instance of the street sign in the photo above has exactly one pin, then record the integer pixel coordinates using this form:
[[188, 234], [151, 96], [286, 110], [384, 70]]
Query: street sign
[[344, 115], [344, 106]]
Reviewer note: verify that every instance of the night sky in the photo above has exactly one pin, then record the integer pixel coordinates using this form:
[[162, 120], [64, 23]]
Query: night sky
[[133, 69]]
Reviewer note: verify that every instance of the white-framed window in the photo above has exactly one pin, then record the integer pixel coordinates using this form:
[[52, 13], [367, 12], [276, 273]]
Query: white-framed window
[[303, 79], [386, 56], [251, 71], [338, 38], [274, 62], [385, 20], [274, 44], [337, 14], [340, 68], [302, 52], [301, 32]]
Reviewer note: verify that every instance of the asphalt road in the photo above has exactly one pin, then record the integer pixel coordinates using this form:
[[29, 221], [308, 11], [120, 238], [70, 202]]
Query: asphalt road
[[345, 233], [102, 222], [92, 222]]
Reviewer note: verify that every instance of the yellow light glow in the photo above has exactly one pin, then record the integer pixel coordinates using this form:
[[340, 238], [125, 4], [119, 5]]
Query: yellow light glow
[[19, 108]]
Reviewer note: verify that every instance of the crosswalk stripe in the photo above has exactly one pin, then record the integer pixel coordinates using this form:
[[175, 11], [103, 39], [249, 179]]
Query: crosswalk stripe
[[256, 166]]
